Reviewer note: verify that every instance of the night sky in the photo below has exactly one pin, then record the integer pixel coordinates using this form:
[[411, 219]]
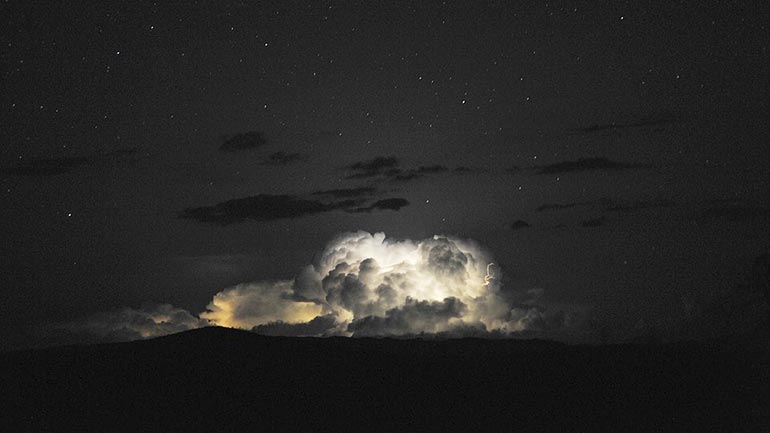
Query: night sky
[[610, 158]]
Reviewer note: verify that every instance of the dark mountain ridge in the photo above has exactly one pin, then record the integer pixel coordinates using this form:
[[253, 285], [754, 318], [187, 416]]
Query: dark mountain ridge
[[217, 379]]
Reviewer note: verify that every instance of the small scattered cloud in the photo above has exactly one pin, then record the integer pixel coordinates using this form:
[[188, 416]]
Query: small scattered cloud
[[243, 141], [385, 204], [589, 164], [594, 222], [651, 120], [381, 165], [285, 158], [520, 224]]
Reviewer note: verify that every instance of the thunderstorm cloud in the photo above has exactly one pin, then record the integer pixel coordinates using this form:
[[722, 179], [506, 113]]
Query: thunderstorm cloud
[[365, 284]]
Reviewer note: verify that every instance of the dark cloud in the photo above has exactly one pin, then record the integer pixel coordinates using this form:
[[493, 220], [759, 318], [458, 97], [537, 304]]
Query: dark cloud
[[262, 207], [610, 205], [385, 204], [651, 120], [387, 168], [404, 176], [520, 224], [348, 192], [735, 212], [244, 141], [467, 170], [285, 158], [381, 165], [123, 152], [40, 167], [416, 173], [268, 207], [594, 222], [561, 206], [49, 166], [588, 164], [639, 205], [414, 316], [431, 169], [317, 327]]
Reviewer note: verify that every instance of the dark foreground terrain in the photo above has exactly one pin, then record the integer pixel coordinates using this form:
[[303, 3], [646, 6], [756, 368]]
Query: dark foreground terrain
[[217, 379]]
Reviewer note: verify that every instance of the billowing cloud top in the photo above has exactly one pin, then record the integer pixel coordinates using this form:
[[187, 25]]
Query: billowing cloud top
[[367, 284]]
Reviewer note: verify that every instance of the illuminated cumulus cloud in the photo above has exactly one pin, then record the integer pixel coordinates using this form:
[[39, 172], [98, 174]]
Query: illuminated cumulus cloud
[[250, 304], [151, 320], [365, 284]]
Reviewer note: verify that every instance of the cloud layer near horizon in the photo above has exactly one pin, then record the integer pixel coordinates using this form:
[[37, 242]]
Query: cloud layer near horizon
[[365, 284], [125, 324]]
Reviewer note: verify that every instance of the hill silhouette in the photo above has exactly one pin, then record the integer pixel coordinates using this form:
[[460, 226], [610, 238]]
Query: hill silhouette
[[217, 379]]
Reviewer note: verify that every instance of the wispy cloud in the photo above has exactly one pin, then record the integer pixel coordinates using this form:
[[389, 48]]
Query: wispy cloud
[[589, 164], [49, 166], [610, 205], [243, 141], [285, 158], [594, 222], [262, 207], [735, 211], [385, 204], [388, 168], [381, 165], [651, 120], [639, 205], [268, 207], [467, 170], [40, 167], [547, 207], [347, 192]]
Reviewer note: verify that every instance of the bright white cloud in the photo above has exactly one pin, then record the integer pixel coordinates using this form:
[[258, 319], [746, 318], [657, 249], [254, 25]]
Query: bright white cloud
[[373, 285]]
